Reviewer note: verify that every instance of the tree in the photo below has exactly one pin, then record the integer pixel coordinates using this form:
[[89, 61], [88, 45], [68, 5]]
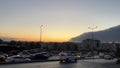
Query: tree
[[37, 45], [55, 46], [118, 53], [32, 45], [68, 47], [1, 41], [75, 47], [12, 43]]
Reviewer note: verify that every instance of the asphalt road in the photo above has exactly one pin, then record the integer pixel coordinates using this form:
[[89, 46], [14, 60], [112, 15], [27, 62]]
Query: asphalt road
[[95, 63]]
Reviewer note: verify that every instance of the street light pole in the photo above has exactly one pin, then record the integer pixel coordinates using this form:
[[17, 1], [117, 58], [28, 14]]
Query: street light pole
[[92, 44], [41, 34]]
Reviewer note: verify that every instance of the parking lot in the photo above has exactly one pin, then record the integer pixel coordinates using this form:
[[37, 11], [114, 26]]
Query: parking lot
[[89, 63]]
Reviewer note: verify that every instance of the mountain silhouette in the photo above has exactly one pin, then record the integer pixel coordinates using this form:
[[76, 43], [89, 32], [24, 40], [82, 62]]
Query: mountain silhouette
[[7, 38], [107, 35]]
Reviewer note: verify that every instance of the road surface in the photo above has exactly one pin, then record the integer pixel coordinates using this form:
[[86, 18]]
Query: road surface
[[95, 63]]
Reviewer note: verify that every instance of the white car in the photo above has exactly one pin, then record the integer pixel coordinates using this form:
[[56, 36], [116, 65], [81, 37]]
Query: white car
[[25, 54], [108, 57], [67, 57], [101, 55], [16, 59]]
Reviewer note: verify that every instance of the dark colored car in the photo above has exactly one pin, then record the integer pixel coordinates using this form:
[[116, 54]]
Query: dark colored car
[[39, 56], [3, 56]]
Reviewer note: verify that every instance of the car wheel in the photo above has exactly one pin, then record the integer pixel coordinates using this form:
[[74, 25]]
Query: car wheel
[[26, 60], [75, 60], [67, 60], [61, 61]]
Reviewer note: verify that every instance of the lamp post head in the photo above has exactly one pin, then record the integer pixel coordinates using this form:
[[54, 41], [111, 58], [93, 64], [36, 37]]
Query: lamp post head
[[92, 28], [41, 26]]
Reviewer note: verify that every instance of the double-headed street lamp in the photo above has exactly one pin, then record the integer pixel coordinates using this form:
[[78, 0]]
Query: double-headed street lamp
[[92, 44], [92, 28]]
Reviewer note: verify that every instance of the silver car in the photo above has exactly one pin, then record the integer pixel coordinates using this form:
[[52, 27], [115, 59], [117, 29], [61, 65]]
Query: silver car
[[67, 57], [16, 58]]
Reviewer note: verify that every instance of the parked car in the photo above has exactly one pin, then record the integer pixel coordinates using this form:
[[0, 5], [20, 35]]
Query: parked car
[[108, 57], [67, 57], [13, 52], [46, 54], [6, 55], [16, 58], [25, 54], [2, 57], [101, 55], [77, 55], [39, 56]]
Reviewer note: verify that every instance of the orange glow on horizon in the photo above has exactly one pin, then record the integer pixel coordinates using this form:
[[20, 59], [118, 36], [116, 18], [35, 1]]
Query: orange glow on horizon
[[43, 40], [46, 37], [37, 38]]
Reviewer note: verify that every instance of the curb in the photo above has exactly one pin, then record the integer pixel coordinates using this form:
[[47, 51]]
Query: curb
[[33, 61]]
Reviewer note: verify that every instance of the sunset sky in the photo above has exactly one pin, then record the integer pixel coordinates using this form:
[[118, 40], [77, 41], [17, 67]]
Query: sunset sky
[[61, 19]]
